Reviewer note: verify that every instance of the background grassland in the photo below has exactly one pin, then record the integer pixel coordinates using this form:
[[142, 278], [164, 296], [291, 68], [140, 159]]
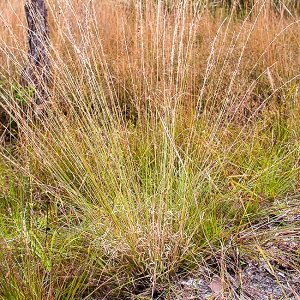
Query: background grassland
[[170, 128]]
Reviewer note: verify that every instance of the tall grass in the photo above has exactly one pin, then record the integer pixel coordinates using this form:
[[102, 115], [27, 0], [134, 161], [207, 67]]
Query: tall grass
[[167, 131]]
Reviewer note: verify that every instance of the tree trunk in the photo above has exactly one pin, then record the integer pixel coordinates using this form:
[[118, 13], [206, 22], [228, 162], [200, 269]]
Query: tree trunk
[[37, 73]]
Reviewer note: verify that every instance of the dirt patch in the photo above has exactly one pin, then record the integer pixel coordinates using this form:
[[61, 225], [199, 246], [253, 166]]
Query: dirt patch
[[256, 281]]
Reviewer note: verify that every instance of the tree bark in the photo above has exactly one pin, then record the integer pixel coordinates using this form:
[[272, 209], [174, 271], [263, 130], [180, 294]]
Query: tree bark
[[37, 73]]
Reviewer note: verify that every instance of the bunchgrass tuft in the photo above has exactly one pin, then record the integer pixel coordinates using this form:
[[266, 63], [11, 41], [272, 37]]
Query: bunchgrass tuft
[[169, 128]]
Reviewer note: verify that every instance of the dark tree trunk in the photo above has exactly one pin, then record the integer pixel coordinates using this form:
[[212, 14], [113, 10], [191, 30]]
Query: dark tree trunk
[[37, 73]]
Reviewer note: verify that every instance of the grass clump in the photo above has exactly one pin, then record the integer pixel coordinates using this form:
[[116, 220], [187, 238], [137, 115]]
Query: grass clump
[[166, 133]]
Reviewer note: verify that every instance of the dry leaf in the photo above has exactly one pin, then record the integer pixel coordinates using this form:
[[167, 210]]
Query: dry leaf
[[216, 285]]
